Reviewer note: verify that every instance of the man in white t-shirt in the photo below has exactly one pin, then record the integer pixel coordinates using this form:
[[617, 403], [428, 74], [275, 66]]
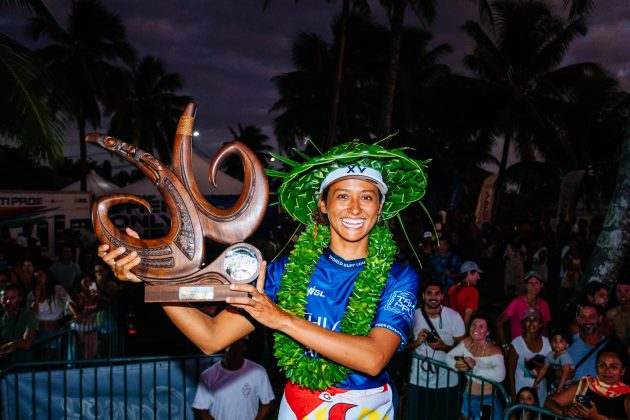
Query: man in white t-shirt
[[433, 388], [234, 388]]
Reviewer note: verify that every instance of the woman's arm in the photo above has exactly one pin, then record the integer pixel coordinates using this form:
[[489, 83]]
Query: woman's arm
[[500, 325], [369, 354], [559, 403], [512, 361], [210, 334], [458, 350]]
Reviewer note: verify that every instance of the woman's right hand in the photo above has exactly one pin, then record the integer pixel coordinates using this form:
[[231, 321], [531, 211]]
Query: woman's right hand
[[121, 267]]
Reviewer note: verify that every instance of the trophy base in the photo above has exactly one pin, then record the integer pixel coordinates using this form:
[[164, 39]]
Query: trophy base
[[190, 293]]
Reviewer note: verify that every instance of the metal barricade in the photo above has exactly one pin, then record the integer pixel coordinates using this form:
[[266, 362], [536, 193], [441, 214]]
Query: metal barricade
[[439, 392], [529, 412], [125, 388], [107, 336]]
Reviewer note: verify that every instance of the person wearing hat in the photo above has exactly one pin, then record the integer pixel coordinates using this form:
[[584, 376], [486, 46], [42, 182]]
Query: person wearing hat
[[517, 308], [427, 247], [527, 354], [464, 296], [340, 305]]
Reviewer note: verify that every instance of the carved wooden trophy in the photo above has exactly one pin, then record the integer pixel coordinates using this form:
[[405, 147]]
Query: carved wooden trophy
[[173, 266]]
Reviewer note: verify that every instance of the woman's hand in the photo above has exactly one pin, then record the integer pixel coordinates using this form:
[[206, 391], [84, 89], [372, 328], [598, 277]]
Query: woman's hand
[[121, 267], [258, 304], [579, 410]]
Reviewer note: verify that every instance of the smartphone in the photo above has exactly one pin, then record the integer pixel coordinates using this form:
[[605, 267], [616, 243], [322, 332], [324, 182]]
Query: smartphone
[[92, 287], [584, 400], [461, 359]]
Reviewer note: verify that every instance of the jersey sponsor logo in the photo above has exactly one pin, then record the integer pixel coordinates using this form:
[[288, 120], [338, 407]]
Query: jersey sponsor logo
[[345, 264], [314, 291], [402, 303], [322, 321]]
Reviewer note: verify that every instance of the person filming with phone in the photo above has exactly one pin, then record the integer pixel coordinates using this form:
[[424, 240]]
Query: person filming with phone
[[437, 329], [603, 396]]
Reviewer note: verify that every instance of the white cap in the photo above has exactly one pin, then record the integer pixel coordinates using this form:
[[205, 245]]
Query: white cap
[[357, 172]]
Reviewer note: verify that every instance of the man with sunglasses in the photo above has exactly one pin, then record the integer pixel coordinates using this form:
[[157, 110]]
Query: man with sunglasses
[[436, 329]]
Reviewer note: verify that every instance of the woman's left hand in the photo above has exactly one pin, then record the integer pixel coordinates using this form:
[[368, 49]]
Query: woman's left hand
[[579, 410], [258, 304]]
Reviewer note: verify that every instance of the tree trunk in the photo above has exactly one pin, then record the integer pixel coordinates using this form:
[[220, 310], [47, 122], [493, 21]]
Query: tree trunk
[[391, 77], [331, 138], [612, 244], [610, 251], [83, 148], [498, 185]]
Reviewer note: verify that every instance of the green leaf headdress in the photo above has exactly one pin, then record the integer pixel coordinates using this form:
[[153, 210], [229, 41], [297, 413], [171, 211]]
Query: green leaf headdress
[[405, 177]]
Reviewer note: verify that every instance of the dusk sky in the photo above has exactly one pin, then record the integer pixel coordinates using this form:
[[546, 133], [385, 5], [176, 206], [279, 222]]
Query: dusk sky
[[228, 51]]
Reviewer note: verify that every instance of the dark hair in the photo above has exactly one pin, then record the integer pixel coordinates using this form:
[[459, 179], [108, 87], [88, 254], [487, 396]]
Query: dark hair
[[426, 285], [483, 316], [593, 287], [615, 348], [587, 305], [13, 286], [562, 332], [531, 391], [50, 283]]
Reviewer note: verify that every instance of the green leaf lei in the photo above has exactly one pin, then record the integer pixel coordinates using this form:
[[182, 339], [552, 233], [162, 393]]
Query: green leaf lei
[[321, 373]]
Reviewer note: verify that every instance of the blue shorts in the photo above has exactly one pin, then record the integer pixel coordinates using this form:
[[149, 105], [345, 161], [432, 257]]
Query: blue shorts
[[473, 406]]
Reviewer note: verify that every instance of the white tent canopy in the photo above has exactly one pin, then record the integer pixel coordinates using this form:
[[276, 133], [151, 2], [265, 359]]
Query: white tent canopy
[[226, 184], [94, 183]]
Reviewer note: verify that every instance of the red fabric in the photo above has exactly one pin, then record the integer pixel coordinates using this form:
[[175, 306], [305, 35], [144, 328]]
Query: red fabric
[[303, 401], [605, 390], [460, 298]]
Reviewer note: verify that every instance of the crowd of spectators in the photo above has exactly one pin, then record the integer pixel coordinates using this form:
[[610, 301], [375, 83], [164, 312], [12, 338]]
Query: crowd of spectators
[[493, 302], [513, 286], [53, 307]]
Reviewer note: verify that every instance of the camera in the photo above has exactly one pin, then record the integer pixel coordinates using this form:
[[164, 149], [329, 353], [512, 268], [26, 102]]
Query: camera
[[432, 337]]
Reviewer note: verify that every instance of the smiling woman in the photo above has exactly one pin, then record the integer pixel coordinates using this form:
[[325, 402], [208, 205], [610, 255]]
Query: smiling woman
[[602, 396], [340, 305]]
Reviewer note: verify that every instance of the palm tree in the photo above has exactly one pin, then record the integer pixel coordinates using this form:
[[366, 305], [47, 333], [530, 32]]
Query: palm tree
[[148, 113], [519, 67], [84, 61], [27, 111], [425, 12], [360, 7]]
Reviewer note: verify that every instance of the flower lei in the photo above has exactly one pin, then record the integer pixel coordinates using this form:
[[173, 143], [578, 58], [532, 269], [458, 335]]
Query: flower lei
[[321, 373]]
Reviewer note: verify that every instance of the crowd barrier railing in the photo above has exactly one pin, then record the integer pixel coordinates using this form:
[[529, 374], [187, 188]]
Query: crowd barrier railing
[[528, 412], [67, 344], [432, 375], [123, 388], [437, 391]]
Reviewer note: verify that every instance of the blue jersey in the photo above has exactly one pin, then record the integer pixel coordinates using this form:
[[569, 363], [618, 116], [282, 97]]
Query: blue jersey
[[328, 293]]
